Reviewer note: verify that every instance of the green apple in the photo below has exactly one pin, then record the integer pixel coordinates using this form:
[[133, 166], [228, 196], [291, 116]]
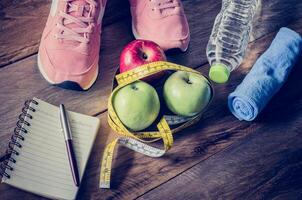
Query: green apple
[[137, 105], [187, 93]]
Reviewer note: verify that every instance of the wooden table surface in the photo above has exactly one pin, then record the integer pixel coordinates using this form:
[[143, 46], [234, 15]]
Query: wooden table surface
[[219, 158]]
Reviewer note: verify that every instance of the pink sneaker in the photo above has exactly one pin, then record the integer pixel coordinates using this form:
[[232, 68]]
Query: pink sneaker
[[162, 21], [69, 49]]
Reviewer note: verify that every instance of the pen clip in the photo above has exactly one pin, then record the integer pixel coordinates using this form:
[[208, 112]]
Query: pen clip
[[61, 123], [65, 123]]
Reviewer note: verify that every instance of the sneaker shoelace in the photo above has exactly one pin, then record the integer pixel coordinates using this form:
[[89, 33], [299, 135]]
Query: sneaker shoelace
[[162, 5], [77, 28]]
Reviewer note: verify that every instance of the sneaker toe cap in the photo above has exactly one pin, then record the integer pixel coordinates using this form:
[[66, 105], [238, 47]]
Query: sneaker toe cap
[[170, 32], [57, 67], [69, 62]]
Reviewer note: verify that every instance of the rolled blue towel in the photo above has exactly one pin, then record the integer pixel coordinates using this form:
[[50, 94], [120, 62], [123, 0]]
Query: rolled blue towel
[[267, 76]]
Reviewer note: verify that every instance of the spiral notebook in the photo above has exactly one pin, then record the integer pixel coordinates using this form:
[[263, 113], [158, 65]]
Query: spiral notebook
[[38, 160]]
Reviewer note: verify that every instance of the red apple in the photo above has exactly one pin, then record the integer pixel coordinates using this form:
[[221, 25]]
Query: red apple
[[140, 52]]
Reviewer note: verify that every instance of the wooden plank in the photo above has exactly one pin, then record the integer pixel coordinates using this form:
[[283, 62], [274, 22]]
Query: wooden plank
[[22, 81], [25, 81], [264, 164], [205, 139], [267, 164], [18, 17], [23, 21], [135, 174]]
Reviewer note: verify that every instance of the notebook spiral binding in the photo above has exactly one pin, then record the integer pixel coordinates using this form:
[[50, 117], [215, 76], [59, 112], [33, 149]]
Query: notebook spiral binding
[[18, 135]]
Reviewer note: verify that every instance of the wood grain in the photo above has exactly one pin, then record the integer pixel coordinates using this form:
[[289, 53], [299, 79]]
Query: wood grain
[[25, 81], [264, 164], [267, 164], [21, 80], [22, 23], [135, 174]]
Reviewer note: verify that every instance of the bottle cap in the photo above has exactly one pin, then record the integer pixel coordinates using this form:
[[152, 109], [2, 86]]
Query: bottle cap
[[219, 73]]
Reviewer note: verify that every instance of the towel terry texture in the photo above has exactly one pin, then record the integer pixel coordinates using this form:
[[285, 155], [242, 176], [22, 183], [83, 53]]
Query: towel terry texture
[[267, 76]]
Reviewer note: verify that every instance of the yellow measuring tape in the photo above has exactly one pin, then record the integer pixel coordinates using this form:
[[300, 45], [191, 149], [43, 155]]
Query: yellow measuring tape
[[137, 140]]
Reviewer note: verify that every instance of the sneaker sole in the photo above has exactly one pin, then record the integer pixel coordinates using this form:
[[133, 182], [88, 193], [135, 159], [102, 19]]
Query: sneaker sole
[[137, 36], [71, 85]]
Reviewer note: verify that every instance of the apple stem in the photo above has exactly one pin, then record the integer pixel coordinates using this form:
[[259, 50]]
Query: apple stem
[[187, 80], [134, 87], [145, 56]]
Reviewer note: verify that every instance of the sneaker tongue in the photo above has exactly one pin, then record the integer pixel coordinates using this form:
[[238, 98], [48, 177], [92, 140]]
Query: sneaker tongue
[[77, 9], [81, 11], [168, 11]]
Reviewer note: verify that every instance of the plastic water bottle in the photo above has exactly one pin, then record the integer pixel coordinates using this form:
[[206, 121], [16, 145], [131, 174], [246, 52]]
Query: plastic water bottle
[[230, 36]]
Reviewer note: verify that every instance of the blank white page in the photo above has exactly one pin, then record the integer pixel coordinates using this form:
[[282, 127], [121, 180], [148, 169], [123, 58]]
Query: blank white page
[[42, 166]]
